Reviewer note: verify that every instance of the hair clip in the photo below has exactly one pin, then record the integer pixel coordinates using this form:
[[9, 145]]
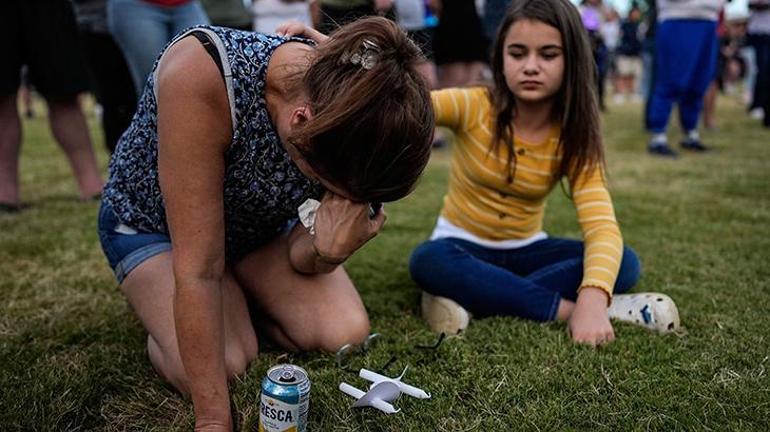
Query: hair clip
[[366, 57]]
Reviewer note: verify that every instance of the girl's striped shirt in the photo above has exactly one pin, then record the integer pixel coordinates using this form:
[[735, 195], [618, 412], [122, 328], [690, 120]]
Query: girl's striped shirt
[[482, 202]]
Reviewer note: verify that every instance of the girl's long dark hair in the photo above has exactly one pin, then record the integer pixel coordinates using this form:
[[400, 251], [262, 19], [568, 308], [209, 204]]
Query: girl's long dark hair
[[575, 104]]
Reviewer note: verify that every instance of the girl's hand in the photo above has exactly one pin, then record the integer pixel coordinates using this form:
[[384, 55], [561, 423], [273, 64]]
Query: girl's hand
[[296, 28], [589, 322], [342, 226]]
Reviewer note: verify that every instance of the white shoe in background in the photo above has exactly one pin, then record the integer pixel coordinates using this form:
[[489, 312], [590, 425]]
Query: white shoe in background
[[757, 114], [444, 315], [650, 310]]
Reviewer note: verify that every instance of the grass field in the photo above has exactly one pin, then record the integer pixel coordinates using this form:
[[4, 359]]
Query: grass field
[[73, 357]]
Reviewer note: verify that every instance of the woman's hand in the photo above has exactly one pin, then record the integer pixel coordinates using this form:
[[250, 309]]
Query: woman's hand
[[296, 28], [342, 226], [589, 322]]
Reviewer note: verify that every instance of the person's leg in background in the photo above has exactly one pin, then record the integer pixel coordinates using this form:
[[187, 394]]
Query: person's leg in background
[[57, 67], [10, 124], [186, 16], [704, 45], [750, 60], [761, 44], [674, 60], [141, 30], [10, 146], [113, 86], [70, 130], [766, 49]]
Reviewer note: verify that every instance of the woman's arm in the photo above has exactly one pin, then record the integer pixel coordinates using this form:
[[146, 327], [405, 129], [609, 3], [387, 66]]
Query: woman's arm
[[295, 28], [194, 130], [341, 227]]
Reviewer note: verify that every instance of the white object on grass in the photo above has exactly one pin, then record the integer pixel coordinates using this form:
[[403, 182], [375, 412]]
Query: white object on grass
[[379, 396], [382, 392], [404, 387], [651, 310]]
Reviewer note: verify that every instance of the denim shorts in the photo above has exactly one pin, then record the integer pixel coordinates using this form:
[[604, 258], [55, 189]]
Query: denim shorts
[[125, 247]]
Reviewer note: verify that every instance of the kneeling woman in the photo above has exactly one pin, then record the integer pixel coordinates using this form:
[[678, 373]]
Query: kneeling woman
[[234, 131]]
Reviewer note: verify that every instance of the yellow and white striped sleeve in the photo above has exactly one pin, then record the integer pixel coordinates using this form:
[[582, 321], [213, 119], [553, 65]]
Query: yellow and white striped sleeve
[[601, 233], [456, 107]]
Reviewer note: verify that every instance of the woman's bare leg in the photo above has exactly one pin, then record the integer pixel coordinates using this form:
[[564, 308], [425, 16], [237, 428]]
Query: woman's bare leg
[[150, 291], [302, 312]]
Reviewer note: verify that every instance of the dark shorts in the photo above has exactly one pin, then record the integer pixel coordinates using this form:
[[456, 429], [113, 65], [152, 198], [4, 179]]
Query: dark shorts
[[459, 37], [125, 247], [43, 35]]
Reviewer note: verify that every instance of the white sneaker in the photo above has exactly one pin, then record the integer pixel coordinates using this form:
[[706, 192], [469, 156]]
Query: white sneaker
[[651, 310], [444, 315], [757, 114]]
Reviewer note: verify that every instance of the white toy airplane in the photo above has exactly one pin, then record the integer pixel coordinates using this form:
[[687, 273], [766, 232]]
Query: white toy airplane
[[382, 391]]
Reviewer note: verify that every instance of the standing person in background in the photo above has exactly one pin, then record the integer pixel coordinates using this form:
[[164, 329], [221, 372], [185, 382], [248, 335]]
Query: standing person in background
[[44, 36], [494, 11], [411, 16], [459, 44], [336, 13], [537, 125], [110, 79], [414, 16], [269, 14], [629, 61], [610, 31], [143, 27], [25, 93], [730, 67], [649, 25], [686, 48], [593, 16], [228, 13], [759, 38]]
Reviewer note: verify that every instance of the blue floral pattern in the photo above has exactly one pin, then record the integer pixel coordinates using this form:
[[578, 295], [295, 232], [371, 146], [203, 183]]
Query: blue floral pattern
[[262, 185]]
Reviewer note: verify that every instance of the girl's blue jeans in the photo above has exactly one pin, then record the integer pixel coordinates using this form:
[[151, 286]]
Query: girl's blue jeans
[[527, 282]]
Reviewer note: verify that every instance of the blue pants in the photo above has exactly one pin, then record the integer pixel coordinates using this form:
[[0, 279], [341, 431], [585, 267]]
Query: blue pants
[[143, 29], [761, 95], [527, 282], [685, 64]]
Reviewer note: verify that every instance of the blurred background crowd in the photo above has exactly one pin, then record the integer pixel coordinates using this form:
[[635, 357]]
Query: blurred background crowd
[[62, 49]]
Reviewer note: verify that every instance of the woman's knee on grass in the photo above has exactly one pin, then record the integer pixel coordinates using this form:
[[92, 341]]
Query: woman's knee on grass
[[330, 331], [239, 353], [168, 364]]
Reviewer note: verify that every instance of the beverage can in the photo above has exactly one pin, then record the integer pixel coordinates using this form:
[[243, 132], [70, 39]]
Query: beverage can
[[285, 399]]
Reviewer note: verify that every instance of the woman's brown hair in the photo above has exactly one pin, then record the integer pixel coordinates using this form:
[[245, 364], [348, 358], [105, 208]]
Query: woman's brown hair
[[372, 123], [575, 105]]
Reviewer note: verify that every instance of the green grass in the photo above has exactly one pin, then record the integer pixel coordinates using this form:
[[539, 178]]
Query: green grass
[[73, 357]]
